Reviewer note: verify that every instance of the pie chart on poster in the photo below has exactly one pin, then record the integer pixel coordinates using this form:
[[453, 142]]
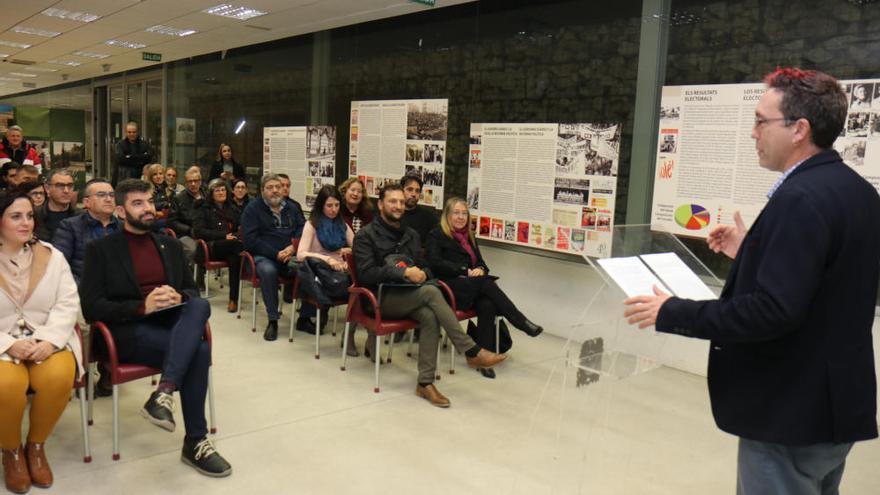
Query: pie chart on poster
[[692, 217]]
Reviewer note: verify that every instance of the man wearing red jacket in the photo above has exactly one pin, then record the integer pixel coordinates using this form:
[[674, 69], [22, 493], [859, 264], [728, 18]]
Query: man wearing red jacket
[[15, 149]]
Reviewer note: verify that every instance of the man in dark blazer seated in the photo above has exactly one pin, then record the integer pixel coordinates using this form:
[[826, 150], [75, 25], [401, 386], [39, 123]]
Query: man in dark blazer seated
[[791, 362], [137, 283]]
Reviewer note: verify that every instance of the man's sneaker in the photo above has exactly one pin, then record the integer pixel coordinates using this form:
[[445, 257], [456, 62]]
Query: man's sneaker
[[159, 410], [204, 458]]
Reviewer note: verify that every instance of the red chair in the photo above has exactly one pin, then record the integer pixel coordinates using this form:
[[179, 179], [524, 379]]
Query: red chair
[[309, 299], [375, 323], [126, 372], [209, 265], [248, 272]]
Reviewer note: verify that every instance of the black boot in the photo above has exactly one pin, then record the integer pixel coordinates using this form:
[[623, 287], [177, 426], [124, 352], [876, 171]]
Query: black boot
[[529, 328], [271, 332]]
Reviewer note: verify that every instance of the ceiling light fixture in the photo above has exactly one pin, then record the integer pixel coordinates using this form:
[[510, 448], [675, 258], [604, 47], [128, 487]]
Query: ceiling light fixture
[[73, 16], [234, 12], [83, 53], [35, 32], [4, 78], [69, 63], [22, 74], [240, 126], [42, 69], [14, 44], [170, 31], [125, 44]]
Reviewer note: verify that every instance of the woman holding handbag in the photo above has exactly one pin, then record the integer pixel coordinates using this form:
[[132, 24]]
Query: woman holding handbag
[[325, 239], [455, 258]]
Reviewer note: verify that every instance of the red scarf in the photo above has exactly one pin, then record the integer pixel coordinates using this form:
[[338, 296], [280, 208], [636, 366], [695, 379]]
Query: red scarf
[[462, 237]]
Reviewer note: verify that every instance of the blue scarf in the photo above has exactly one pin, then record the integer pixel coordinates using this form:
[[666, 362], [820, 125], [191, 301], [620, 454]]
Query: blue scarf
[[331, 234]]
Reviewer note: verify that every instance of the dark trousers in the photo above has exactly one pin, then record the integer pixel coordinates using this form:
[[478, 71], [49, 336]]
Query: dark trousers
[[173, 342], [120, 173], [493, 302], [772, 469], [228, 251], [269, 271]]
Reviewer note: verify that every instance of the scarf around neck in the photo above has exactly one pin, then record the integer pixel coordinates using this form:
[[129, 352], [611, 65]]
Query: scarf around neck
[[331, 234], [462, 237]]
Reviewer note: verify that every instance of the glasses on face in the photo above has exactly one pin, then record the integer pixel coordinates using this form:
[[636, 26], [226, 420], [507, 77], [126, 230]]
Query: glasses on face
[[759, 121], [193, 181], [61, 186], [103, 195]]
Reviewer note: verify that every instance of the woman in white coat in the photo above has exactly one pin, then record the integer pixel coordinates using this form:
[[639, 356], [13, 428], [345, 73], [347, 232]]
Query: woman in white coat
[[39, 350]]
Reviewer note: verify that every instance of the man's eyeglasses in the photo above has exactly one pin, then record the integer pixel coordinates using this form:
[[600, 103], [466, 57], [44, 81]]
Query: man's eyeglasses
[[103, 195], [193, 181], [761, 121], [62, 186]]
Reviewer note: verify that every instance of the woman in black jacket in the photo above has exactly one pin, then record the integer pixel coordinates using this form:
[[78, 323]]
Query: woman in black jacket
[[217, 223], [226, 167], [240, 197], [455, 258]]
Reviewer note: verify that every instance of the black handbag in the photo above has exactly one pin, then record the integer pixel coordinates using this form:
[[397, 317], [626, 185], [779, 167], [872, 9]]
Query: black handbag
[[322, 282]]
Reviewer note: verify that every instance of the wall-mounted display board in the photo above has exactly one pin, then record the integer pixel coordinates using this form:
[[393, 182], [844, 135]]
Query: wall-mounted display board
[[548, 186], [306, 154], [707, 167], [391, 138]]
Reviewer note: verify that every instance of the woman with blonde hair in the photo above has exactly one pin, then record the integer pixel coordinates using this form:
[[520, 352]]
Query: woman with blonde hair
[[356, 210], [155, 175], [225, 167], [455, 258], [39, 349]]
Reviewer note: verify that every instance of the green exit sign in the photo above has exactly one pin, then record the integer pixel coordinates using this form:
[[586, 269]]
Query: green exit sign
[[151, 57], [429, 3]]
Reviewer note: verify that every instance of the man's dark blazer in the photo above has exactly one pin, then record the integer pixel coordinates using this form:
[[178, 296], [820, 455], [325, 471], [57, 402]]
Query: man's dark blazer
[[791, 358], [109, 290]]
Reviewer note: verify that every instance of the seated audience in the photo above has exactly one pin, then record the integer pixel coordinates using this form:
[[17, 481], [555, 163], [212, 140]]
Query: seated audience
[[183, 208], [19, 174], [39, 349], [36, 191], [59, 203], [161, 198], [356, 209], [268, 226], [96, 222], [217, 223], [326, 238], [171, 185], [225, 167], [14, 148], [240, 196], [455, 258], [386, 251], [137, 283], [417, 217]]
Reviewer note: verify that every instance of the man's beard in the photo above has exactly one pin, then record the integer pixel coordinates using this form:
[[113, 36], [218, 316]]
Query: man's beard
[[411, 203], [274, 202], [140, 224]]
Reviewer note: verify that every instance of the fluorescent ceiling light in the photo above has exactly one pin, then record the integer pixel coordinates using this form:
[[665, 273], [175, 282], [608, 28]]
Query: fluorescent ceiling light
[[125, 44], [4, 55], [69, 63], [35, 32], [170, 31], [4, 78], [234, 12], [73, 16], [42, 69], [22, 74], [14, 44], [240, 126], [83, 53]]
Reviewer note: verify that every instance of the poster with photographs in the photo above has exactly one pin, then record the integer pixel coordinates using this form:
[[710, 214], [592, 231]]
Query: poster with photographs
[[184, 130], [707, 167], [391, 138], [548, 186], [306, 154]]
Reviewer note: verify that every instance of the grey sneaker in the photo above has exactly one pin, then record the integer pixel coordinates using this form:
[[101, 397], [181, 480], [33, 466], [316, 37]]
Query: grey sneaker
[[204, 458], [159, 410]]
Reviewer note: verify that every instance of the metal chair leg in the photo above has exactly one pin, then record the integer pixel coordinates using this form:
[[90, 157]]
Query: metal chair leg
[[335, 319], [238, 303], [497, 336], [92, 383], [115, 422], [254, 310], [439, 349], [345, 345], [318, 334], [292, 316], [378, 360], [212, 412], [87, 449]]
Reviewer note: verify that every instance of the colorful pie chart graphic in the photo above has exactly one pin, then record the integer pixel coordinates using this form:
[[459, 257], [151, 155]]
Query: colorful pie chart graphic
[[692, 217]]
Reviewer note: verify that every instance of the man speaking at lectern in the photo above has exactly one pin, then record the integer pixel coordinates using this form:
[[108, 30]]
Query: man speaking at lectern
[[791, 362]]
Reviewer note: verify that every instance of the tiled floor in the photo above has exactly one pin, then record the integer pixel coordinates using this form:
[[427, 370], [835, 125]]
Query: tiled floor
[[292, 424]]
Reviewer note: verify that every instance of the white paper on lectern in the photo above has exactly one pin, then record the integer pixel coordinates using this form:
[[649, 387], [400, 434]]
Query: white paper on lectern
[[631, 274], [678, 277]]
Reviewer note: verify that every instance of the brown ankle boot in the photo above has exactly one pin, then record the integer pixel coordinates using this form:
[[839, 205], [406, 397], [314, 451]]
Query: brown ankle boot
[[41, 474], [15, 468]]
